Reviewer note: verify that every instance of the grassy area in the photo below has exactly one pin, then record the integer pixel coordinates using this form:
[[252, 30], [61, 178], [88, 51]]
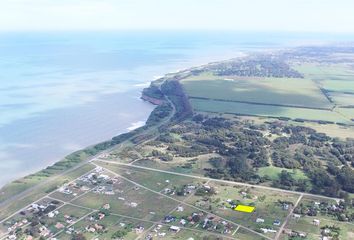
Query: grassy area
[[273, 172], [286, 91], [322, 71], [339, 85], [269, 111], [342, 98], [347, 112]]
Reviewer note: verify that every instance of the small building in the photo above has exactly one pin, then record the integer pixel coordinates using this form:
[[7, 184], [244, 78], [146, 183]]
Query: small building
[[175, 229], [276, 222], [169, 219], [285, 206], [316, 222], [59, 225], [183, 222], [106, 206], [139, 229], [101, 216], [180, 209], [268, 230], [259, 220]]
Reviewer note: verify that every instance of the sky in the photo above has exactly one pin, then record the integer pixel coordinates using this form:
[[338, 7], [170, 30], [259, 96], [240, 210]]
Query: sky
[[240, 15]]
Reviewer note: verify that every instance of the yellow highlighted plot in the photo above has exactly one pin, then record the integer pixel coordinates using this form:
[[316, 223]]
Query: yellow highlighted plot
[[244, 208]]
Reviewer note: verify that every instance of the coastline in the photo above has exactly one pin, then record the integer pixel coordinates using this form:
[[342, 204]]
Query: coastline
[[22, 192], [113, 118], [136, 125]]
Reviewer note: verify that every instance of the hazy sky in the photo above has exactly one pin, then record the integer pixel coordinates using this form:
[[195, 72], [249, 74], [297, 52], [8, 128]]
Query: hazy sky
[[259, 15]]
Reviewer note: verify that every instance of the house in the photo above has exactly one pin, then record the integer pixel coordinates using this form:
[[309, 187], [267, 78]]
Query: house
[[180, 209], [296, 216], [268, 230], [175, 229], [43, 231], [139, 229], [183, 221], [59, 225], [276, 222], [285, 206], [259, 220], [169, 219], [90, 229], [101, 216], [98, 227], [12, 237], [106, 206], [167, 191], [316, 222]]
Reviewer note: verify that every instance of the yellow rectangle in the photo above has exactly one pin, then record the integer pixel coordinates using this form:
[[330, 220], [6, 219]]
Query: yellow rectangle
[[244, 208]]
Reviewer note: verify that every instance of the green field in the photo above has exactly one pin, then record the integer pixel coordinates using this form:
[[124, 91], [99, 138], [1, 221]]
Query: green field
[[342, 98], [284, 91], [339, 85], [319, 71], [347, 112], [263, 110], [277, 97], [273, 172]]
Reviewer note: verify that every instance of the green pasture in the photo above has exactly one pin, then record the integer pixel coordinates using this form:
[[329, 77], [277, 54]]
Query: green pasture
[[273, 172], [284, 91], [268, 111]]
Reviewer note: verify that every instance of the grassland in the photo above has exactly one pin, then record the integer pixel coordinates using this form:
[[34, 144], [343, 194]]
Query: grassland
[[266, 110], [342, 99], [283, 91], [273, 172]]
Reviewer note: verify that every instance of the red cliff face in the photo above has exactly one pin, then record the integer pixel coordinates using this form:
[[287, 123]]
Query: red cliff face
[[154, 101]]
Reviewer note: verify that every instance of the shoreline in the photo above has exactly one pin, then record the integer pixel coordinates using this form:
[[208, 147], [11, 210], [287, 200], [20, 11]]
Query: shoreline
[[132, 125], [112, 126]]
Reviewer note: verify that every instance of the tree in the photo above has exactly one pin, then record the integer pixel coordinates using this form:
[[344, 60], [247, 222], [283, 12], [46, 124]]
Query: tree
[[78, 236]]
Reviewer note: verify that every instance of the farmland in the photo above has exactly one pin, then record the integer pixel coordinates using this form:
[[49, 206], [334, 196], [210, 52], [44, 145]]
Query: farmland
[[283, 91], [266, 110], [324, 93]]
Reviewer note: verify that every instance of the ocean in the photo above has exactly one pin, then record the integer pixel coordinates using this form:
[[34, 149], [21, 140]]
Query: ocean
[[62, 91]]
